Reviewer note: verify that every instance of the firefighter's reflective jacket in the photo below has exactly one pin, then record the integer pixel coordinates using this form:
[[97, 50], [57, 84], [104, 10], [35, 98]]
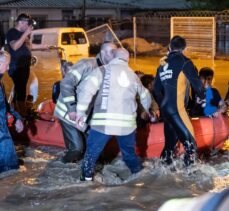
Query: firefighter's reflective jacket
[[71, 87], [115, 105]]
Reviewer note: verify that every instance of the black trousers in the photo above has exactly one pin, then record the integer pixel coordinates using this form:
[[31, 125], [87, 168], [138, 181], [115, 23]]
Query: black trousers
[[178, 128], [20, 78], [74, 141]]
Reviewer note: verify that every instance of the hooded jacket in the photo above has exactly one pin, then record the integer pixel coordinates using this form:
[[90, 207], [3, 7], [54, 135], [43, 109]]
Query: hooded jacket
[[115, 105]]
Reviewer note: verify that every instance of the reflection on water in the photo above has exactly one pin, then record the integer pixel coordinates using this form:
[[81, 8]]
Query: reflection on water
[[221, 76], [48, 72], [44, 183]]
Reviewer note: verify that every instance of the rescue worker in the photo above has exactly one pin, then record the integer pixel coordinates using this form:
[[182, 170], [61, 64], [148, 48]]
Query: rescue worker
[[170, 89], [70, 88], [8, 156], [114, 113]]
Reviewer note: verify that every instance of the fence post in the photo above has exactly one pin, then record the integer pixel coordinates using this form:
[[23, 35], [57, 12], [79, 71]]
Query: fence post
[[134, 36]]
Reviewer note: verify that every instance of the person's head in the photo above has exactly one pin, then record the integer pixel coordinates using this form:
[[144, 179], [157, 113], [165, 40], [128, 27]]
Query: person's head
[[139, 73], [121, 53], [106, 53], [147, 81], [206, 75], [23, 22], [4, 61], [177, 43]]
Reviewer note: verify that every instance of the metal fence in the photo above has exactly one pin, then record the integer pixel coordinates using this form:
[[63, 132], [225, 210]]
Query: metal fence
[[199, 33], [152, 29], [156, 31]]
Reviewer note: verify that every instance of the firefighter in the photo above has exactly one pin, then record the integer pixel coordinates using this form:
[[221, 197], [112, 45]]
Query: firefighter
[[114, 113], [70, 88]]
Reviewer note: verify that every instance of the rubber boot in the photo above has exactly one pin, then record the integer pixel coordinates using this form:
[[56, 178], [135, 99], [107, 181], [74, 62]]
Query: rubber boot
[[190, 155], [189, 159], [166, 157]]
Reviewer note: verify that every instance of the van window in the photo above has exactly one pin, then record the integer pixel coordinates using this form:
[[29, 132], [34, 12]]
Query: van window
[[37, 39], [50, 39], [73, 38]]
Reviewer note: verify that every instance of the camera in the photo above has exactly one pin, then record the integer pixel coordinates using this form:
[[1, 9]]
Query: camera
[[32, 22]]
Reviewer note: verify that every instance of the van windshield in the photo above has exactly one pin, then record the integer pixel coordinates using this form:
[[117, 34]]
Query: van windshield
[[73, 38]]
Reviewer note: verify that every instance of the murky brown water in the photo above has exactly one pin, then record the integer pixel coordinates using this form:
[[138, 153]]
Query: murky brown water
[[221, 68], [44, 183], [48, 71]]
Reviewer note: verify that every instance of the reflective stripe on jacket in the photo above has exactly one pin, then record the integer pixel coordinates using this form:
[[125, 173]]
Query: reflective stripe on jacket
[[115, 106], [71, 88]]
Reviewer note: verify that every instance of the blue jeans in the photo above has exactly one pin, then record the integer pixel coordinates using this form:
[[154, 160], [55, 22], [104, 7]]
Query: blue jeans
[[8, 156], [96, 142]]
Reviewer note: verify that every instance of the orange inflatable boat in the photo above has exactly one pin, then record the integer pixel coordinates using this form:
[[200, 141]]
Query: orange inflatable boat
[[210, 133]]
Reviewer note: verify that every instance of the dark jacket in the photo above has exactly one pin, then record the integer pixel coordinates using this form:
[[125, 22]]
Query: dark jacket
[[8, 157], [172, 83]]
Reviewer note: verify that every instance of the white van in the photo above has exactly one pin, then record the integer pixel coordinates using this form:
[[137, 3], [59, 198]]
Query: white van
[[73, 40]]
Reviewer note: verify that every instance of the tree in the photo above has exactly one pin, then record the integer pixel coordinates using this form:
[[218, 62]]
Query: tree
[[209, 4]]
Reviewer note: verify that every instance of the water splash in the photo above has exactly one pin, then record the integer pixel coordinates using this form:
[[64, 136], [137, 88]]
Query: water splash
[[46, 183]]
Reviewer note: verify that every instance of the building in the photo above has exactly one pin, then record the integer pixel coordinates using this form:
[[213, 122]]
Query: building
[[93, 11]]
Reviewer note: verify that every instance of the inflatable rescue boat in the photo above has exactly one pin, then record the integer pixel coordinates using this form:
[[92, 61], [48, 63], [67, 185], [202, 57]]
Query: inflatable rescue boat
[[210, 133]]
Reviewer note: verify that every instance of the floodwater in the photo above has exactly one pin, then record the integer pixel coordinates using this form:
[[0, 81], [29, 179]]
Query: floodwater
[[48, 71], [221, 69], [44, 183]]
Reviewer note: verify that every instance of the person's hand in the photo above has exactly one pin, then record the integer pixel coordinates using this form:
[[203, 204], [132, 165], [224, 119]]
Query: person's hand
[[81, 123], [79, 119], [28, 30], [201, 102], [216, 114], [145, 116], [72, 115], [19, 126], [157, 113]]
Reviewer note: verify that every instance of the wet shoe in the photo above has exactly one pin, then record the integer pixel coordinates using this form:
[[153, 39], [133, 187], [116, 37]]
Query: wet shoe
[[189, 159], [71, 157], [21, 162], [83, 178], [167, 157], [64, 161], [167, 162]]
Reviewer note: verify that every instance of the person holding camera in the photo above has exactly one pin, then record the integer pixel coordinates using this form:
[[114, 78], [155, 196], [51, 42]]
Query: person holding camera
[[19, 68]]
